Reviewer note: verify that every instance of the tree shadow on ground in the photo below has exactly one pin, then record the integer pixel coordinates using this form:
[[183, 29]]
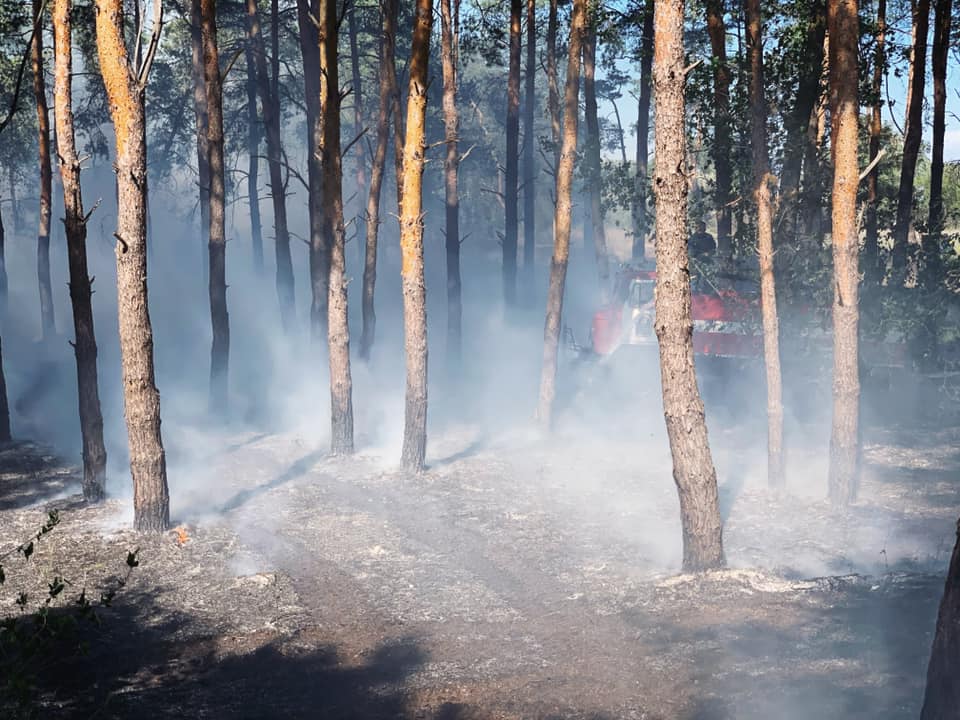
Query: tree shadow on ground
[[29, 474], [297, 470]]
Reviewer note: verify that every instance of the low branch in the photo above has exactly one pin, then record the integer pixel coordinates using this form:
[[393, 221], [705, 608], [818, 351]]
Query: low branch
[[873, 163]]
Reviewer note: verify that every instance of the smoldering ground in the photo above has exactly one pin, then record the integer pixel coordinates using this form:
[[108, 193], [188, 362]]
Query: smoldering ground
[[522, 575]]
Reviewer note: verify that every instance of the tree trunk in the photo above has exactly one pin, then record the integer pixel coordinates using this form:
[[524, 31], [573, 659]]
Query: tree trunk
[[5, 435], [411, 245], [125, 91], [913, 135], [220, 321], [594, 167], [935, 221], [85, 345], [4, 289], [844, 439], [387, 81], [449, 21], [47, 323], [562, 216], [270, 107], [942, 696], [253, 159], [641, 181], [553, 85], [693, 469], [307, 11], [511, 191], [357, 93], [871, 245], [14, 203], [201, 120], [338, 330], [722, 142], [763, 184], [529, 163]]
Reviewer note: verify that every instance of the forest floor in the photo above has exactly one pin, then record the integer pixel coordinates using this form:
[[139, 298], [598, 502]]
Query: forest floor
[[516, 578]]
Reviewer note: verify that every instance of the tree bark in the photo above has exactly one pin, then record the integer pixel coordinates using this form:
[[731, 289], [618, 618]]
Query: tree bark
[[913, 135], [4, 289], [307, 10], [411, 245], [935, 220], [722, 142], [763, 184], [5, 435], [201, 120], [693, 470], [529, 163], [553, 85], [253, 158], [871, 245], [594, 166], [641, 181], [357, 93], [270, 108], [125, 90], [338, 330], [219, 318], [47, 322], [562, 217], [942, 696], [844, 439], [449, 21], [85, 345], [511, 191], [387, 81]]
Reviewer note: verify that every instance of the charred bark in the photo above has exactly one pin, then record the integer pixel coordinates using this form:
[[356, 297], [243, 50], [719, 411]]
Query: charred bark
[[253, 158], [722, 141], [871, 245], [356, 91], [935, 218], [125, 85], [5, 435], [201, 121], [942, 696], [529, 163], [449, 20], [594, 167], [75, 223], [4, 289], [693, 470], [47, 323], [219, 318], [641, 180], [844, 438], [512, 176], [913, 135], [553, 85], [411, 245], [763, 184], [387, 82], [338, 330], [562, 216], [270, 107]]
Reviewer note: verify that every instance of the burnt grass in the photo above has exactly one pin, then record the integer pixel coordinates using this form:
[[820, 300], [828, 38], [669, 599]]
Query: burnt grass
[[516, 578]]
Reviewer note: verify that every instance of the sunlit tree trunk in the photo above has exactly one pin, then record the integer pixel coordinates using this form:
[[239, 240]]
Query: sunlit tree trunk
[[913, 135], [641, 180], [43, 134], [125, 86], [942, 696], [85, 345], [871, 245], [220, 321], [722, 142], [449, 20], [307, 12], [763, 184], [387, 82], [411, 245], [562, 216], [200, 118], [356, 93], [844, 438], [338, 330], [693, 469], [594, 166], [270, 107], [511, 191], [935, 220], [529, 163], [253, 158]]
